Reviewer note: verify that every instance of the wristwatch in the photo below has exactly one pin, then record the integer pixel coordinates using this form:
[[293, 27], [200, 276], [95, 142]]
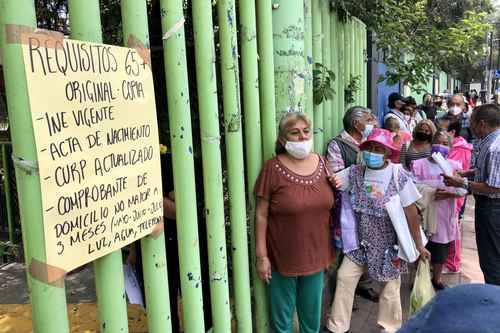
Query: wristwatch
[[466, 185]]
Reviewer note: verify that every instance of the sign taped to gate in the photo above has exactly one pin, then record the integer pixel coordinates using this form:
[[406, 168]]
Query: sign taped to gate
[[96, 134]]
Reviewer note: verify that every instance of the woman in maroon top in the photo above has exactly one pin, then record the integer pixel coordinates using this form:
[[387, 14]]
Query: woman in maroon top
[[294, 202]]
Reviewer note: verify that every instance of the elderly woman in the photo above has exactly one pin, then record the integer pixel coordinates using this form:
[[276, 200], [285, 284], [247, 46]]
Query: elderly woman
[[371, 187], [294, 202], [420, 146]]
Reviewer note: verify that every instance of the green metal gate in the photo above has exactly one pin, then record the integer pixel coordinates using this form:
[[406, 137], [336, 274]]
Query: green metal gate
[[279, 43]]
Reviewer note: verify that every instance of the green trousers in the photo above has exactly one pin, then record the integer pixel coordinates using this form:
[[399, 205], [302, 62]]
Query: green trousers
[[303, 293]]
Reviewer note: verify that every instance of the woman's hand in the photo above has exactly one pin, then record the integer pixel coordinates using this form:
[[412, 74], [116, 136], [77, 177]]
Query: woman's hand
[[424, 253], [264, 269], [335, 181]]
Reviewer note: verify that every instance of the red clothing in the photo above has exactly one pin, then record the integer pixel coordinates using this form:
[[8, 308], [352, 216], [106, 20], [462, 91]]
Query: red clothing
[[298, 229]]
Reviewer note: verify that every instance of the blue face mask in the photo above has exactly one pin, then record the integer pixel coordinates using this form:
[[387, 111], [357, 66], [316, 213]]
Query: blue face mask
[[373, 160]]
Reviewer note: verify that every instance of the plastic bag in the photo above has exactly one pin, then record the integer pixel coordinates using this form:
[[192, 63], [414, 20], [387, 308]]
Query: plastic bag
[[422, 291]]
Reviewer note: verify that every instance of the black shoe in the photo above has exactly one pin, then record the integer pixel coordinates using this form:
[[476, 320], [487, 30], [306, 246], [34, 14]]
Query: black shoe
[[438, 285], [367, 293]]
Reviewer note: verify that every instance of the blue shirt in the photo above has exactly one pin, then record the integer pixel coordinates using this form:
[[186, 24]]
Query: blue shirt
[[488, 162]]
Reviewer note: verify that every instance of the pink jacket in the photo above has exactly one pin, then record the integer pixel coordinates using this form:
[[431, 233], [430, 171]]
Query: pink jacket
[[461, 151]]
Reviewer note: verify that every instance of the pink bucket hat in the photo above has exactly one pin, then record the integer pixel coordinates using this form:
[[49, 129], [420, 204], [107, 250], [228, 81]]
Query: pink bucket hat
[[383, 137]]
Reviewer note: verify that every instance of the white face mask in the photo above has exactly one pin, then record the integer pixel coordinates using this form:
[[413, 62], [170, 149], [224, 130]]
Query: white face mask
[[455, 110], [368, 129], [299, 149]]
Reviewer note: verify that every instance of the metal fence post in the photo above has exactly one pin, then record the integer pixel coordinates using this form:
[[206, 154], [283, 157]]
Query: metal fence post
[[334, 53], [341, 73], [135, 27], [266, 76], [85, 23], [172, 20], [327, 62], [253, 137], [49, 311], [234, 157], [317, 41], [212, 166], [309, 106], [289, 63]]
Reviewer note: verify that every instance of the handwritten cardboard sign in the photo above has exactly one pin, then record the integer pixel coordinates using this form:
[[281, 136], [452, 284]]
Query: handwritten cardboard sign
[[96, 135]]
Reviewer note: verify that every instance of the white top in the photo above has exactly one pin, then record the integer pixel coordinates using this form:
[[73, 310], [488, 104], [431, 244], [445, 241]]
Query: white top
[[377, 181], [403, 125]]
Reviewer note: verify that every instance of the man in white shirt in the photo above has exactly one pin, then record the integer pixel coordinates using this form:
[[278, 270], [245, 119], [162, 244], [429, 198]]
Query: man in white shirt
[[396, 102]]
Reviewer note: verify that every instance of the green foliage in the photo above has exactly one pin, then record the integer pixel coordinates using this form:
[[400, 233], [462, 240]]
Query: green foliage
[[351, 89], [323, 80], [448, 35]]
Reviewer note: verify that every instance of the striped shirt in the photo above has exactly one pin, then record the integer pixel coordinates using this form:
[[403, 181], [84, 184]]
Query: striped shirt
[[409, 154], [488, 163]]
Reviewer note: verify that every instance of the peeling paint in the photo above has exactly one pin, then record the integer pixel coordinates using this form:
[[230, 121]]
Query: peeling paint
[[216, 277], [293, 32], [230, 18], [234, 123], [290, 53]]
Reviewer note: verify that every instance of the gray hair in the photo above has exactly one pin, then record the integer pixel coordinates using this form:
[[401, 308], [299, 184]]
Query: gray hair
[[353, 115], [462, 102]]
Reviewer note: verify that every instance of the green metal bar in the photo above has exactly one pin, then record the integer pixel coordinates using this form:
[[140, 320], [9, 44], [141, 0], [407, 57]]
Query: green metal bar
[[183, 164], [335, 68], [308, 59], [358, 61], [268, 119], [135, 23], [212, 165], [317, 58], [347, 56], [235, 166], [289, 64], [266, 76], [365, 67], [352, 52], [85, 25], [49, 311], [341, 73], [253, 139], [327, 62], [8, 193], [354, 63]]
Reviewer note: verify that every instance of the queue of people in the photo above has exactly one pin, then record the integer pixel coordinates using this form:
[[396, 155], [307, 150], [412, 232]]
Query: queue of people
[[423, 158]]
